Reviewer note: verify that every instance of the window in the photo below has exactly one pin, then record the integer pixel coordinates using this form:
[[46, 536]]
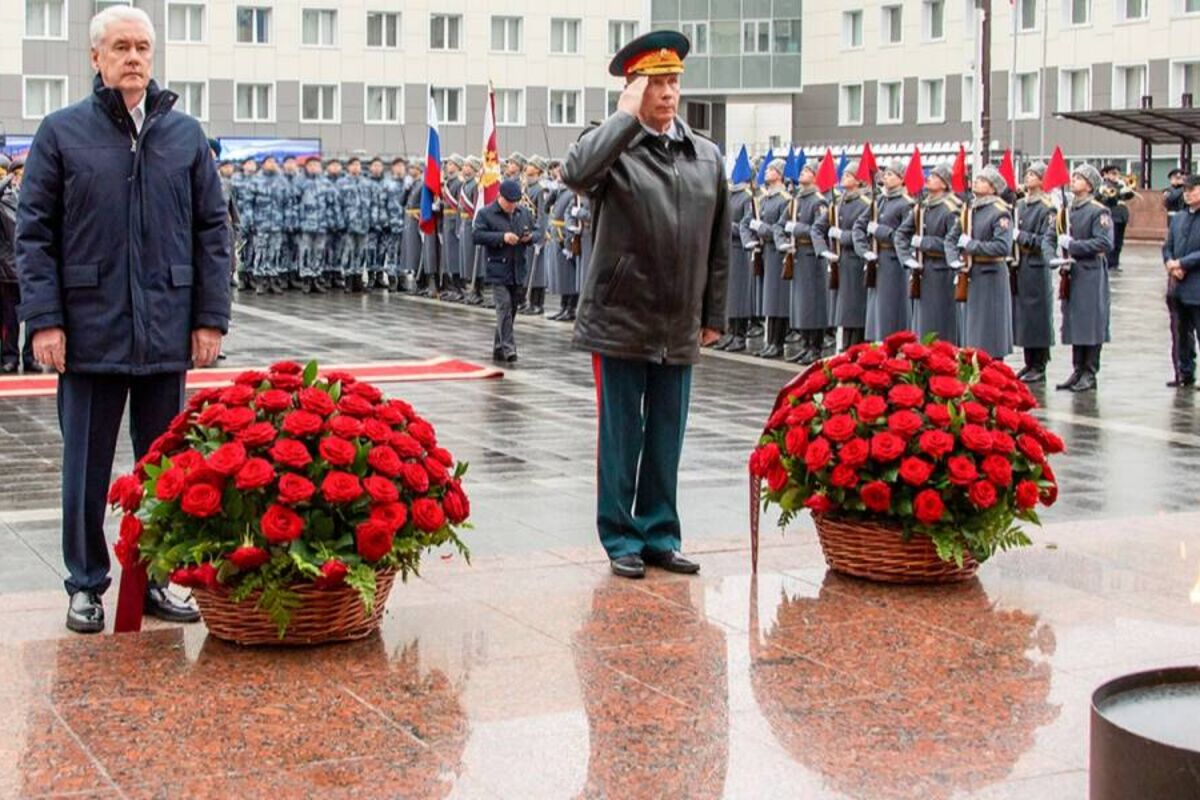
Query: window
[[44, 95], [786, 33], [45, 19], [318, 103], [620, 33], [445, 31], [564, 36], [506, 34], [1129, 84], [699, 116], [891, 103], [893, 25], [1024, 101], [852, 29], [850, 104], [254, 102], [611, 102], [565, 107], [192, 97], [756, 36], [1078, 12], [318, 27], [968, 98], [253, 25], [725, 38], [449, 105], [510, 107], [697, 34], [383, 29], [103, 4], [1132, 10], [1028, 14], [1185, 79], [185, 22], [384, 104], [932, 99], [1191, 6], [933, 20], [1074, 89]]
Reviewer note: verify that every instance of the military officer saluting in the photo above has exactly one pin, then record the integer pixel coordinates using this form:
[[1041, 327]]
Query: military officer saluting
[[1033, 300], [766, 219], [922, 247], [984, 238], [1084, 237], [887, 300], [1115, 194], [809, 310], [836, 244]]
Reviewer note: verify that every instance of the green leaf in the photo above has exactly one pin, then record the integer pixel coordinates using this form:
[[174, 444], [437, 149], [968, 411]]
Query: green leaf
[[279, 602], [335, 391], [362, 579], [310, 372]]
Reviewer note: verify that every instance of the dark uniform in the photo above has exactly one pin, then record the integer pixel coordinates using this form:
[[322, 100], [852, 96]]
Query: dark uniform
[[809, 309], [921, 241], [1033, 303], [1183, 244], [1114, 194]]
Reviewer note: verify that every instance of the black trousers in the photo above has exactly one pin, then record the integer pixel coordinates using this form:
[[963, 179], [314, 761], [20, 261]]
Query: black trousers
[[1086, 358], [506, 298], [10, 328], [1037, 358], [1118, 244], [1189, 332], [90, 408]]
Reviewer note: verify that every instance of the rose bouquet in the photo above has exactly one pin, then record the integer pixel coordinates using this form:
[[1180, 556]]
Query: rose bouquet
[[932, 438], [289, 477]]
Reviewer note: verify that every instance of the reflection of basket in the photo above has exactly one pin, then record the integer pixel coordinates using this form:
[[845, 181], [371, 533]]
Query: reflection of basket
[[325, 615], [877, 551]]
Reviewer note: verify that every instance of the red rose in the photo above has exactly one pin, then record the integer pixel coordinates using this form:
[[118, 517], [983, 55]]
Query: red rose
[[938, 414], [254, 474], [915, 471], [181, 422], [333, 572], [208, 475], [228, 458], [1002, 443], [427, 515], [247, 558], [415, 478], [819, 504], [1052, 442], [377, 431], [367, 392], [982, 494], [801, 414], [127, 553], [286, 383], [236, 418], [886, 446], [295, 489], [854, 453], [876, 379], [131, 529], [406, 446], [345, 427], [273, 401], [997, 470], [915, 351], [316, 401], [166, 443], [777, 418], [944, 348], [995, 375], [355, 406], [818, 454], [201, 500], [443, 456], [1027, 495], [946, 388], [188, 460], [974, 412], [906, 395], [286, 368], [373, 539], [340, 376], [211, 415], [301, 423], [341, 487], [876, 496], [250, 377], [871, 408], [259, 434], [422, 431], [897, 366], [237, 395], [936, 444], [940, 364], [905, 423], [840, 399], [438, 474], [381, 490], [872, 357], [291, 453], [777, 479], [1031, 449], [898, 340], [961, 470], [814, 383], [769, 456], [197, 400], [846, 372], [170, 484], [796, 442], [390, 414], [928, 506], [1050, 493], [986, 394], [456, 504], [393, 515], [1007, 418], [337, 451], [280, 524], [982, 358], [205, 575], [384, 460], [976, 437], [843, 476], [839, 428]]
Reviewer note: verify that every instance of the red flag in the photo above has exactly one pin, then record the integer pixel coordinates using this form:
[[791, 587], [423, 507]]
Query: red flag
[[866, 165], [826, 173], [914, 176], [489, 179], [1057, 173], [958, 175], [1006, 169]]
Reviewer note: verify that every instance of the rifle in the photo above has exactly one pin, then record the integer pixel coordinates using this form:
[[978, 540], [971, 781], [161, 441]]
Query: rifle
[[914, 276], [757, 257], [1063, 225], [872, 275], [789, 259], [834, 282], [962, 283], [1014, 261]]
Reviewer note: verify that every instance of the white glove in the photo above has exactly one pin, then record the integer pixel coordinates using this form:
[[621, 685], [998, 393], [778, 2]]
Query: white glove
[[912, 263], [437, 206], [956, 264], [835, 232], [1065, 240], [751, 248], [829, 256], [872, 227], [756, 225], [916, 240], [575, 211], [790, 227], [566, 251], [870, 256], [963, 240]]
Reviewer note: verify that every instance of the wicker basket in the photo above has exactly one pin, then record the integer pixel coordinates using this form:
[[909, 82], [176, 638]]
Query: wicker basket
[[877, 551], [324, 615]]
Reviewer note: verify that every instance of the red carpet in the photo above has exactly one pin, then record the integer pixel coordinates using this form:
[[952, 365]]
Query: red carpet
[[433, 369]]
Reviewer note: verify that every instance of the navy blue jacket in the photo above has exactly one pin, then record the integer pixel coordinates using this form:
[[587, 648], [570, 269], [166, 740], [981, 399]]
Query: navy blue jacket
[[505, 262], [1183, 243], [122, 238]]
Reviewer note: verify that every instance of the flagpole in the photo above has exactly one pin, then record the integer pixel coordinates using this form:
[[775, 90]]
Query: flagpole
[[1041, 80], [1012, 118]]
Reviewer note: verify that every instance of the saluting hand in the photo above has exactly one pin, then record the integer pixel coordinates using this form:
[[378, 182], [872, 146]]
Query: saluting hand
[[50, 348], [631, 98]]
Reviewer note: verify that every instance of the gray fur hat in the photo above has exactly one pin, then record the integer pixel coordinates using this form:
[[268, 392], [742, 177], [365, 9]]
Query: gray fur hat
[[538, 162], [1037, 168], [942, 173], [778, 164], [517, 158], [851, 169], [456, 160], [474, 162], [895, 166], [992, 176], [1089, 174]]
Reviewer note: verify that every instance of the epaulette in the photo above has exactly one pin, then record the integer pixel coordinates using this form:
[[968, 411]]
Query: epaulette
[[866, 201], [953, 201], [1003, 205], [1047, 202], [1097, 203]]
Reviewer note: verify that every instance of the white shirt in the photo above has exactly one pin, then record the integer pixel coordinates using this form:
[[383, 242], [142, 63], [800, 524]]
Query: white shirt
[[138, 113]]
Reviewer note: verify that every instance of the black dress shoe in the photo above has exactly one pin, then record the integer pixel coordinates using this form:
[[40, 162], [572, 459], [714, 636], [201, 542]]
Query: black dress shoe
[[1071, 381], [162, 604], [1033, 376], [738, 345], [671, 561], [723, 342], [9, 369], [754, 331], [85, 614], [1086, 383], [793, 337], [628, 567], [1178, 383], [512, 359], [771, 351]]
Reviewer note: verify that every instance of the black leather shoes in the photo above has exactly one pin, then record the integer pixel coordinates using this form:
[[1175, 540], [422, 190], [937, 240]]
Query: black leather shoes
[[85, 614], [1033, 376], [163, 605], [1071, 381], [628, 567], [1086, 383], [1181, 383], [738, 345], [671, 561]]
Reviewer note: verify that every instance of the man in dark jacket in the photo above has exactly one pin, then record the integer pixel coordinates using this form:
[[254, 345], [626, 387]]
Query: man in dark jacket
[[10, 295], [505, 229], [654, 294], [123, 259], [1181, 256]]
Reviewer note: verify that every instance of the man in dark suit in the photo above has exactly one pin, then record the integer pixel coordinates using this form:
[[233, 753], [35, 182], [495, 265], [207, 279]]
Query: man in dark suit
[[1181, 257], [505, 229], [123, 259]]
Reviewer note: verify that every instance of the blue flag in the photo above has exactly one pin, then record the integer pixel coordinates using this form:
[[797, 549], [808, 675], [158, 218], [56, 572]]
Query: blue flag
[[791, 169], [801, 161], [742, 171], [761, 178], [842, 162]]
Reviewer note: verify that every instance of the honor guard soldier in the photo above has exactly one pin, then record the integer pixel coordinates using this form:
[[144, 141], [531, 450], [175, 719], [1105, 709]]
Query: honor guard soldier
[[921, 244], [834, 238], [534, 298], [562, 258], [1084, 235], [1173, 200], [451, 222], [887, 300], [469, 196], [514, 167], [983, 238], [413, 244], [1033, 293], [766, 219], [1115, 194], [739, 300], [809, 311]]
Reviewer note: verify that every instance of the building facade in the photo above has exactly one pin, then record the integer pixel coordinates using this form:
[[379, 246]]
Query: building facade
[[355, 74]]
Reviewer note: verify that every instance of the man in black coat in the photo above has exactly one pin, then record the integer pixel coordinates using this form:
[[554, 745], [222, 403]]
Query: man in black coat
[[10, 295], [505, 228], [123, 259], [1181, 257]]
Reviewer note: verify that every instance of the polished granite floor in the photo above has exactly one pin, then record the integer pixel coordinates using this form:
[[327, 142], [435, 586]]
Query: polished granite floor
[[534, 674]]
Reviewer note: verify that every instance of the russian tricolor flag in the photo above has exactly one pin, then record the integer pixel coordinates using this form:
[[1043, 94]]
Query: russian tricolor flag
[[431, 190]]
